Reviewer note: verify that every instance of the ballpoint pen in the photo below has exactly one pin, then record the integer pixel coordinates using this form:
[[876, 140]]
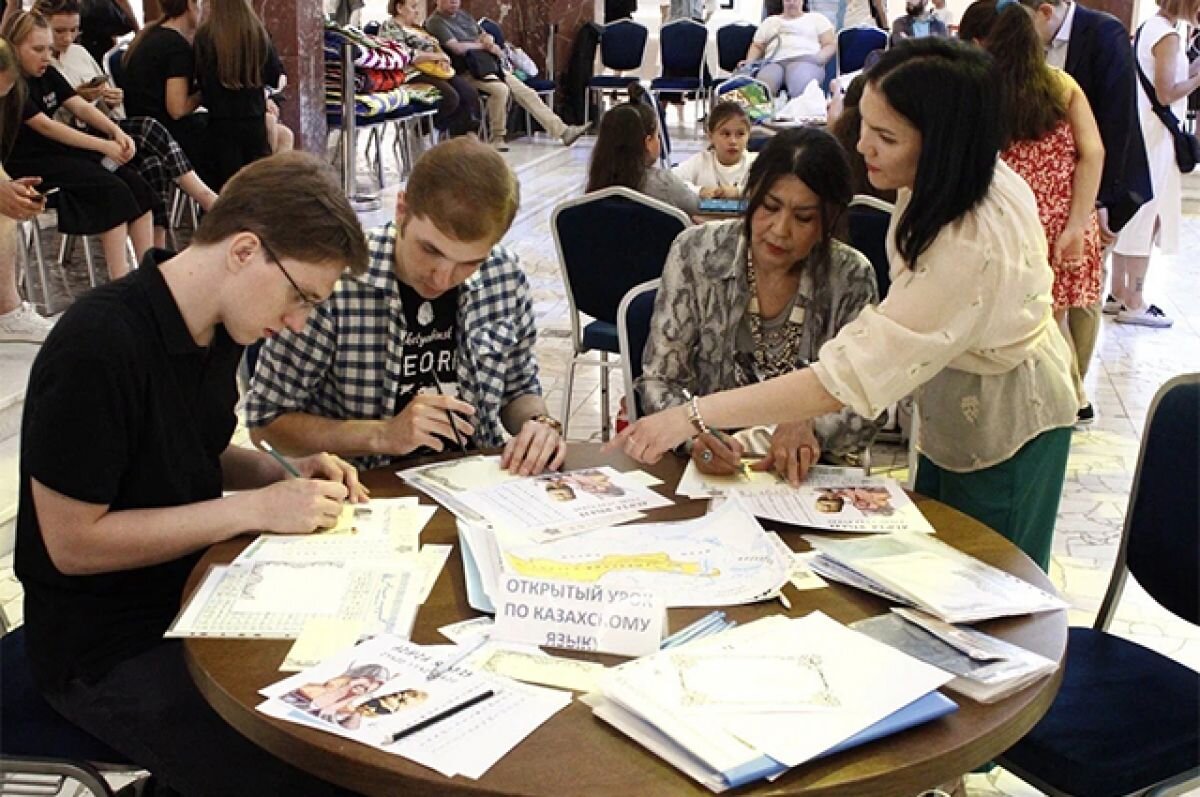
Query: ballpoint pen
[[449, 415], [687, 633], [288, 466], [445, 666], [441, 715]]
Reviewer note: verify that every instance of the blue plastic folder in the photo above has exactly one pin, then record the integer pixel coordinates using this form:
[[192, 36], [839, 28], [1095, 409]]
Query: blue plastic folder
[[923, 709]]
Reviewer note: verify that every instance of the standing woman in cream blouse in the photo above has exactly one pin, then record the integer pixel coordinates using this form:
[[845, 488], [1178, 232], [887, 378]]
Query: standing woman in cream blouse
[[968, 321]]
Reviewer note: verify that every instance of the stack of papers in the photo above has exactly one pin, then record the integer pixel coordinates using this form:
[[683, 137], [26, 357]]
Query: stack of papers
[[754, 701], [367, 573], [987, 669], [831, 499], [381, 687], [921, 571], [547, 507], [722, 559]]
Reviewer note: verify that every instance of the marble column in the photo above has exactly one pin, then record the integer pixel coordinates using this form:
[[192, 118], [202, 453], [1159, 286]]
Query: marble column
[[297, 26]]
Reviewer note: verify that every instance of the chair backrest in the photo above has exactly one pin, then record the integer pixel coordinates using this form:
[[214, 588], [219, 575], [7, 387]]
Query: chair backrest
[[633, 329], [34, 738], [683, 43], [1160, 545], [733, 40], [372, 28], [607, 242], [493, 29], [869, 219], [855, 44], [623, 45], [113, 66]]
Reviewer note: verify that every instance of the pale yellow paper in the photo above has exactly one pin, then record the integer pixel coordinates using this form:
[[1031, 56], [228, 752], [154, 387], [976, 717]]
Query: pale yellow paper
[[320, 638]]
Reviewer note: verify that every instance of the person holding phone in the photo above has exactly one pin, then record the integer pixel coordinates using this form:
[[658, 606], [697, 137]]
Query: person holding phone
[[160, 161], [19, 200]]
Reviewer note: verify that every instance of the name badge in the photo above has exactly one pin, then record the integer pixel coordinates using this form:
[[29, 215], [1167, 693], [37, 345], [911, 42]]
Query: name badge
[[589, 617]]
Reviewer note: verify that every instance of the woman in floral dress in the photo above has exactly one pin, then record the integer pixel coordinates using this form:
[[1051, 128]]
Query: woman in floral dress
[[1054, 144]]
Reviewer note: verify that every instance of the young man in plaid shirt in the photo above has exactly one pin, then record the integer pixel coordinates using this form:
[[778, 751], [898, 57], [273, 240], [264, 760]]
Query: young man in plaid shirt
[[440, 330]]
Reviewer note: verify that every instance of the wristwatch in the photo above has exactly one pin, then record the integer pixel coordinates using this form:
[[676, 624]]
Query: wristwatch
[[553, 423]]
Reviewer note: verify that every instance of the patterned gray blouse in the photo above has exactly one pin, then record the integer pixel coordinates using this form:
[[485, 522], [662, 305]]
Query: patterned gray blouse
[[703, 298]]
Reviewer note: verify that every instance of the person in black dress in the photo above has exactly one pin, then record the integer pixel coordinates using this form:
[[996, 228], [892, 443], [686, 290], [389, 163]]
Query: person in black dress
[[159, 71], [235, 63], [100, 193]]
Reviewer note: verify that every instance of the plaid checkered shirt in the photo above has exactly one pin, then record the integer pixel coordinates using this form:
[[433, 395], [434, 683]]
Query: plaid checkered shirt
[[346, 363]]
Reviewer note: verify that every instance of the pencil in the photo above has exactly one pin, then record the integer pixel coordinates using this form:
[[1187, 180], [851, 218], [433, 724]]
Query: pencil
[[441, 715], [449, 416], [288, 466]]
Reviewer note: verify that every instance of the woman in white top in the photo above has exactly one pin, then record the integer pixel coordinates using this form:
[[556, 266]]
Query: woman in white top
[[798, 45], [720, 170], [1162, 59], [967, 323]]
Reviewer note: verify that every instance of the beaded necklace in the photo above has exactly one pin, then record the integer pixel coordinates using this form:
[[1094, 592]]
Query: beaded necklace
[[777, 350]]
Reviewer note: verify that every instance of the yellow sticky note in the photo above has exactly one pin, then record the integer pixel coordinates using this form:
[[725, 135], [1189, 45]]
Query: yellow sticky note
[[320, 638]]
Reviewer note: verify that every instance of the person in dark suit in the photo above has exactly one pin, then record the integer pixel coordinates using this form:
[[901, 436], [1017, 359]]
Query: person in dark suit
[[1093, 47]]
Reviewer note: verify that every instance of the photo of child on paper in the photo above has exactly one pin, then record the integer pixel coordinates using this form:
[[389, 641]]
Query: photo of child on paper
[[593, 482], [333, 701], [867, 499], [391, 703]]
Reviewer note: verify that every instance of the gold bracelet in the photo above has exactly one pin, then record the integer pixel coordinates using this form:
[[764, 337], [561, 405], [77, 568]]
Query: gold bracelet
[[553, 423]]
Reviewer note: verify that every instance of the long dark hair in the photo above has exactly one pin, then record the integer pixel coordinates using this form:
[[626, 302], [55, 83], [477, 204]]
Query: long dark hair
[[817, 160], [234, 44], [12, 104], [1030, 92], [846, 129], [619, 157], [946, 89], [170, 10]]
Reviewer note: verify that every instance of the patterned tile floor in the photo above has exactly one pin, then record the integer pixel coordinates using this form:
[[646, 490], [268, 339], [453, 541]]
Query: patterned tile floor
[[1129, 366]]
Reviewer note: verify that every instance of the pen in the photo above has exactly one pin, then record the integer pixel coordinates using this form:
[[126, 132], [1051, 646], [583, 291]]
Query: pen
[[695, 629], [743, 468], [441, 715], [441, 669], [289, 467], [437, 383]]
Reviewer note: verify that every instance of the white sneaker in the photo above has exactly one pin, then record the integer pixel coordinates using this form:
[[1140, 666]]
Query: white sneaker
[[572, 134], [1148, 316], [24, 325], [1112, 305]]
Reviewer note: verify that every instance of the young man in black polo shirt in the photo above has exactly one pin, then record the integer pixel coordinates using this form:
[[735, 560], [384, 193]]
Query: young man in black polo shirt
[[125, 454]]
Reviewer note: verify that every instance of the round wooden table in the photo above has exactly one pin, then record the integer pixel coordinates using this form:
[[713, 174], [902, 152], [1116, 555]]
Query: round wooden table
[[575, 753]]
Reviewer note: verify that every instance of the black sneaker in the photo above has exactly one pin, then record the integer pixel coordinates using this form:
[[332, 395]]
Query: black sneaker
[[1086, 415]]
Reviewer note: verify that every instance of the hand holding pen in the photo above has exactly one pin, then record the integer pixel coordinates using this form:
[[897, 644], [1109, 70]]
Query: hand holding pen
[[428, 420]]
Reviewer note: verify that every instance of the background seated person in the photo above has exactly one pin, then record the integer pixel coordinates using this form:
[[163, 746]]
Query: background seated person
[[797, 45], [159, 81], [749, 299], [441, 305], [918, 20], [159, 160], [458, 109], [627, 152], [460, 35], [101, 194], [127, 432]]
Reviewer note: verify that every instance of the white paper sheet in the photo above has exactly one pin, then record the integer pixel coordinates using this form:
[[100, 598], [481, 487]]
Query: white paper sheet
[[380, 687], [273, 600]]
